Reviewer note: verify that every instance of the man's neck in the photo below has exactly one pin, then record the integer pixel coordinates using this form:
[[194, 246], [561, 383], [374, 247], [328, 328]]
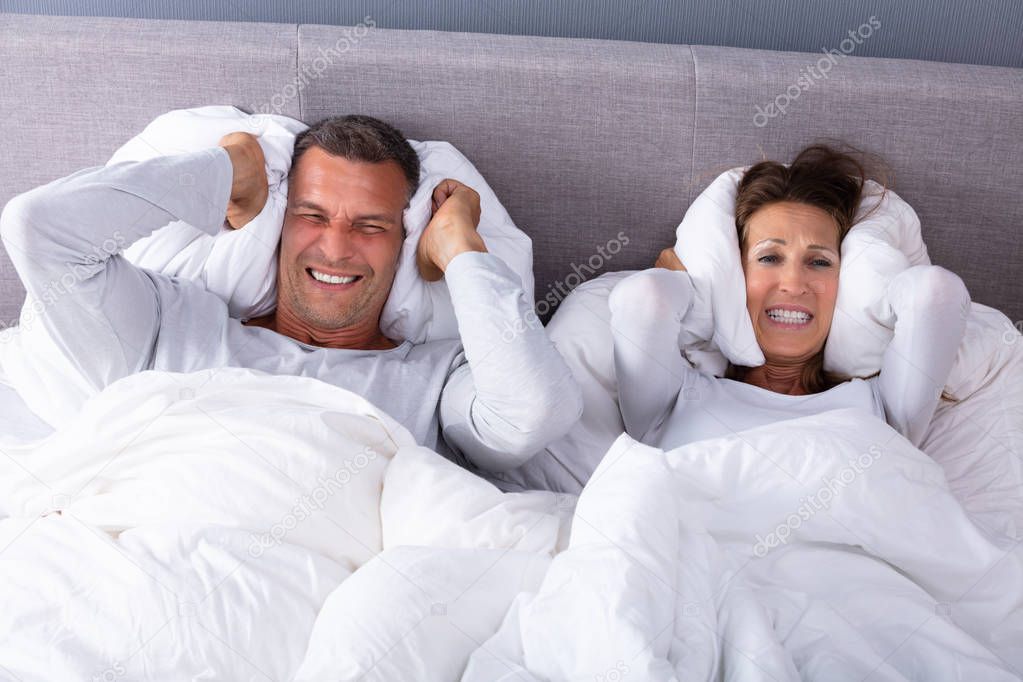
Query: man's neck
[[360, 337]]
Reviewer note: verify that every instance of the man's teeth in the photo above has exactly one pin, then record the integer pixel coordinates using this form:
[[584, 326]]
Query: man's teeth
[[332, 279], [789, 316]]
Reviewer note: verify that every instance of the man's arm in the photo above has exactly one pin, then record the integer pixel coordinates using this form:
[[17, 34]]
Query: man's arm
[[101, 312], [515, 394]]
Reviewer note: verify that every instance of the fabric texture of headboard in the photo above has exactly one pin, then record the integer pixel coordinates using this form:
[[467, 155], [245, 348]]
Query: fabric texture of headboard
[[595, 147]]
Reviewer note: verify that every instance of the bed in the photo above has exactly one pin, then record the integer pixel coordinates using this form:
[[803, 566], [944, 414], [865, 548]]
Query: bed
[[183, 555]]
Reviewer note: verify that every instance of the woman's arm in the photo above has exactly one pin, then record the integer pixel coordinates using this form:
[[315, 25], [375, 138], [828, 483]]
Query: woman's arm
[[646, 317], [931, 305]]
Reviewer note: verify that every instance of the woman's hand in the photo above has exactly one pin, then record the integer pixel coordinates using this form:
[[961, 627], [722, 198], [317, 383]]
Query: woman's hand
[[668, 260]]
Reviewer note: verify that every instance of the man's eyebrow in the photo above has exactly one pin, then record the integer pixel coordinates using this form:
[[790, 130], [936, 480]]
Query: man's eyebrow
[[377, 217], [313, 206], [306, 203]]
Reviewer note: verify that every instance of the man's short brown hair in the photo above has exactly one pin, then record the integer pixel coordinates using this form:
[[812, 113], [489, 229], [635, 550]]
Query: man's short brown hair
[[360, 138]]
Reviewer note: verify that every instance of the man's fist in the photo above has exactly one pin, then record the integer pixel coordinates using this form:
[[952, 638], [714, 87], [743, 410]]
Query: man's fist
[[451, 231], [249, 187], [668, 260]]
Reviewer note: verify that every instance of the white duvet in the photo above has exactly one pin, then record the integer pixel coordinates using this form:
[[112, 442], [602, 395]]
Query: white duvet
[[232, 525]]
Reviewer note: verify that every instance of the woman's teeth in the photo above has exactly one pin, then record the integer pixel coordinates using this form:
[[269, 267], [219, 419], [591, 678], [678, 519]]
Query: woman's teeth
[[789, 316], [332, 279]]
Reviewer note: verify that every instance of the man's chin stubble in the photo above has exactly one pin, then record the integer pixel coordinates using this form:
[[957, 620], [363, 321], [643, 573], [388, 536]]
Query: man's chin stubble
[[334, 320]]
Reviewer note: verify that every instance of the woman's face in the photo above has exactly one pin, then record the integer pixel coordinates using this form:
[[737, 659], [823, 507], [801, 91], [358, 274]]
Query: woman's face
[[791, 260]]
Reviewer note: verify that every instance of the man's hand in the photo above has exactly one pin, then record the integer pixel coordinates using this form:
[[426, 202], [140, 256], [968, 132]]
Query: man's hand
[[668, 260], [249, 186], [452, 230]]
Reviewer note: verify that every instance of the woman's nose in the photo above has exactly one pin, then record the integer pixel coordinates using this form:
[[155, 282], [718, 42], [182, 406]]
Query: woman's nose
[[794, 281]]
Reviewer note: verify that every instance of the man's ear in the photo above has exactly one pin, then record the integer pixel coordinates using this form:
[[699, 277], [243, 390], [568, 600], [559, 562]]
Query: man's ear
[[404, 232], [280, 242]]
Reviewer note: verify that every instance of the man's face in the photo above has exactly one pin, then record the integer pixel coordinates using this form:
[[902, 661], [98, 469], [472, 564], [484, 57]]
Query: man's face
[[341, 239]]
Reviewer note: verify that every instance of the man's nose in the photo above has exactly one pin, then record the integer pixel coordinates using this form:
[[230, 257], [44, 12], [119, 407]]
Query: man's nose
[[336, 242]]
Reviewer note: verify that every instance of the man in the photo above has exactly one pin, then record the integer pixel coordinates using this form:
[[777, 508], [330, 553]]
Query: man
[[495, 400]]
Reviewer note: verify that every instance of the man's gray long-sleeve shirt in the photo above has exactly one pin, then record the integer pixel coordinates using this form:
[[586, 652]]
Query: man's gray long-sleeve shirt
[[91, 317]]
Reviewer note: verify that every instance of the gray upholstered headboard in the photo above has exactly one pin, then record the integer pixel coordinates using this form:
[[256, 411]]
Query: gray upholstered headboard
[[581, 139]]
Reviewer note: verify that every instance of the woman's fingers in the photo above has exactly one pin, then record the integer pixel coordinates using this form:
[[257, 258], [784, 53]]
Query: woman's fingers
[[668, 260]]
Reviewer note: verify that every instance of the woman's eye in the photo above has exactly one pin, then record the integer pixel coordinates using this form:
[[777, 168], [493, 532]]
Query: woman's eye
[[768, 259], [821, 263], [372, 229]]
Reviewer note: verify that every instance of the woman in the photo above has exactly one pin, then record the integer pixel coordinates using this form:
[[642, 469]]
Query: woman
[[791, 222]]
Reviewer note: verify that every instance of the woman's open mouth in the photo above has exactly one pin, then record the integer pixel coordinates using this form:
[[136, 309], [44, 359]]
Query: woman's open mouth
[[789, 317], [327, 280]]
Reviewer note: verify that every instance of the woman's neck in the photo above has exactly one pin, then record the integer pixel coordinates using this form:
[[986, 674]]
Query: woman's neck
[[778, 377]]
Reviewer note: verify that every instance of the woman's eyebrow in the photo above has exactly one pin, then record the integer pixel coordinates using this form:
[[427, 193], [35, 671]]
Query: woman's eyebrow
[[774, 240]]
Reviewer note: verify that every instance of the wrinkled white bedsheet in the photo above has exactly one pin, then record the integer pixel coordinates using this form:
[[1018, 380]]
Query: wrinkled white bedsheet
[[233, 525]]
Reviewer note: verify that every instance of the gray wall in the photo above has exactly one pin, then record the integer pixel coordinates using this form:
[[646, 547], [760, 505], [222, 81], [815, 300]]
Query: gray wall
[[965, 31]]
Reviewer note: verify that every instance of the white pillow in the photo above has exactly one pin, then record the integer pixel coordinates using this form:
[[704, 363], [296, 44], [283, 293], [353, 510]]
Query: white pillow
[[707, 244], [418, 310], [977, 438], [240, 266], [884, 241]]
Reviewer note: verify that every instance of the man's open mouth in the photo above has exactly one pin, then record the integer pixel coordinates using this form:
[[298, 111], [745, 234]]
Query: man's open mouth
[[326, 278]]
